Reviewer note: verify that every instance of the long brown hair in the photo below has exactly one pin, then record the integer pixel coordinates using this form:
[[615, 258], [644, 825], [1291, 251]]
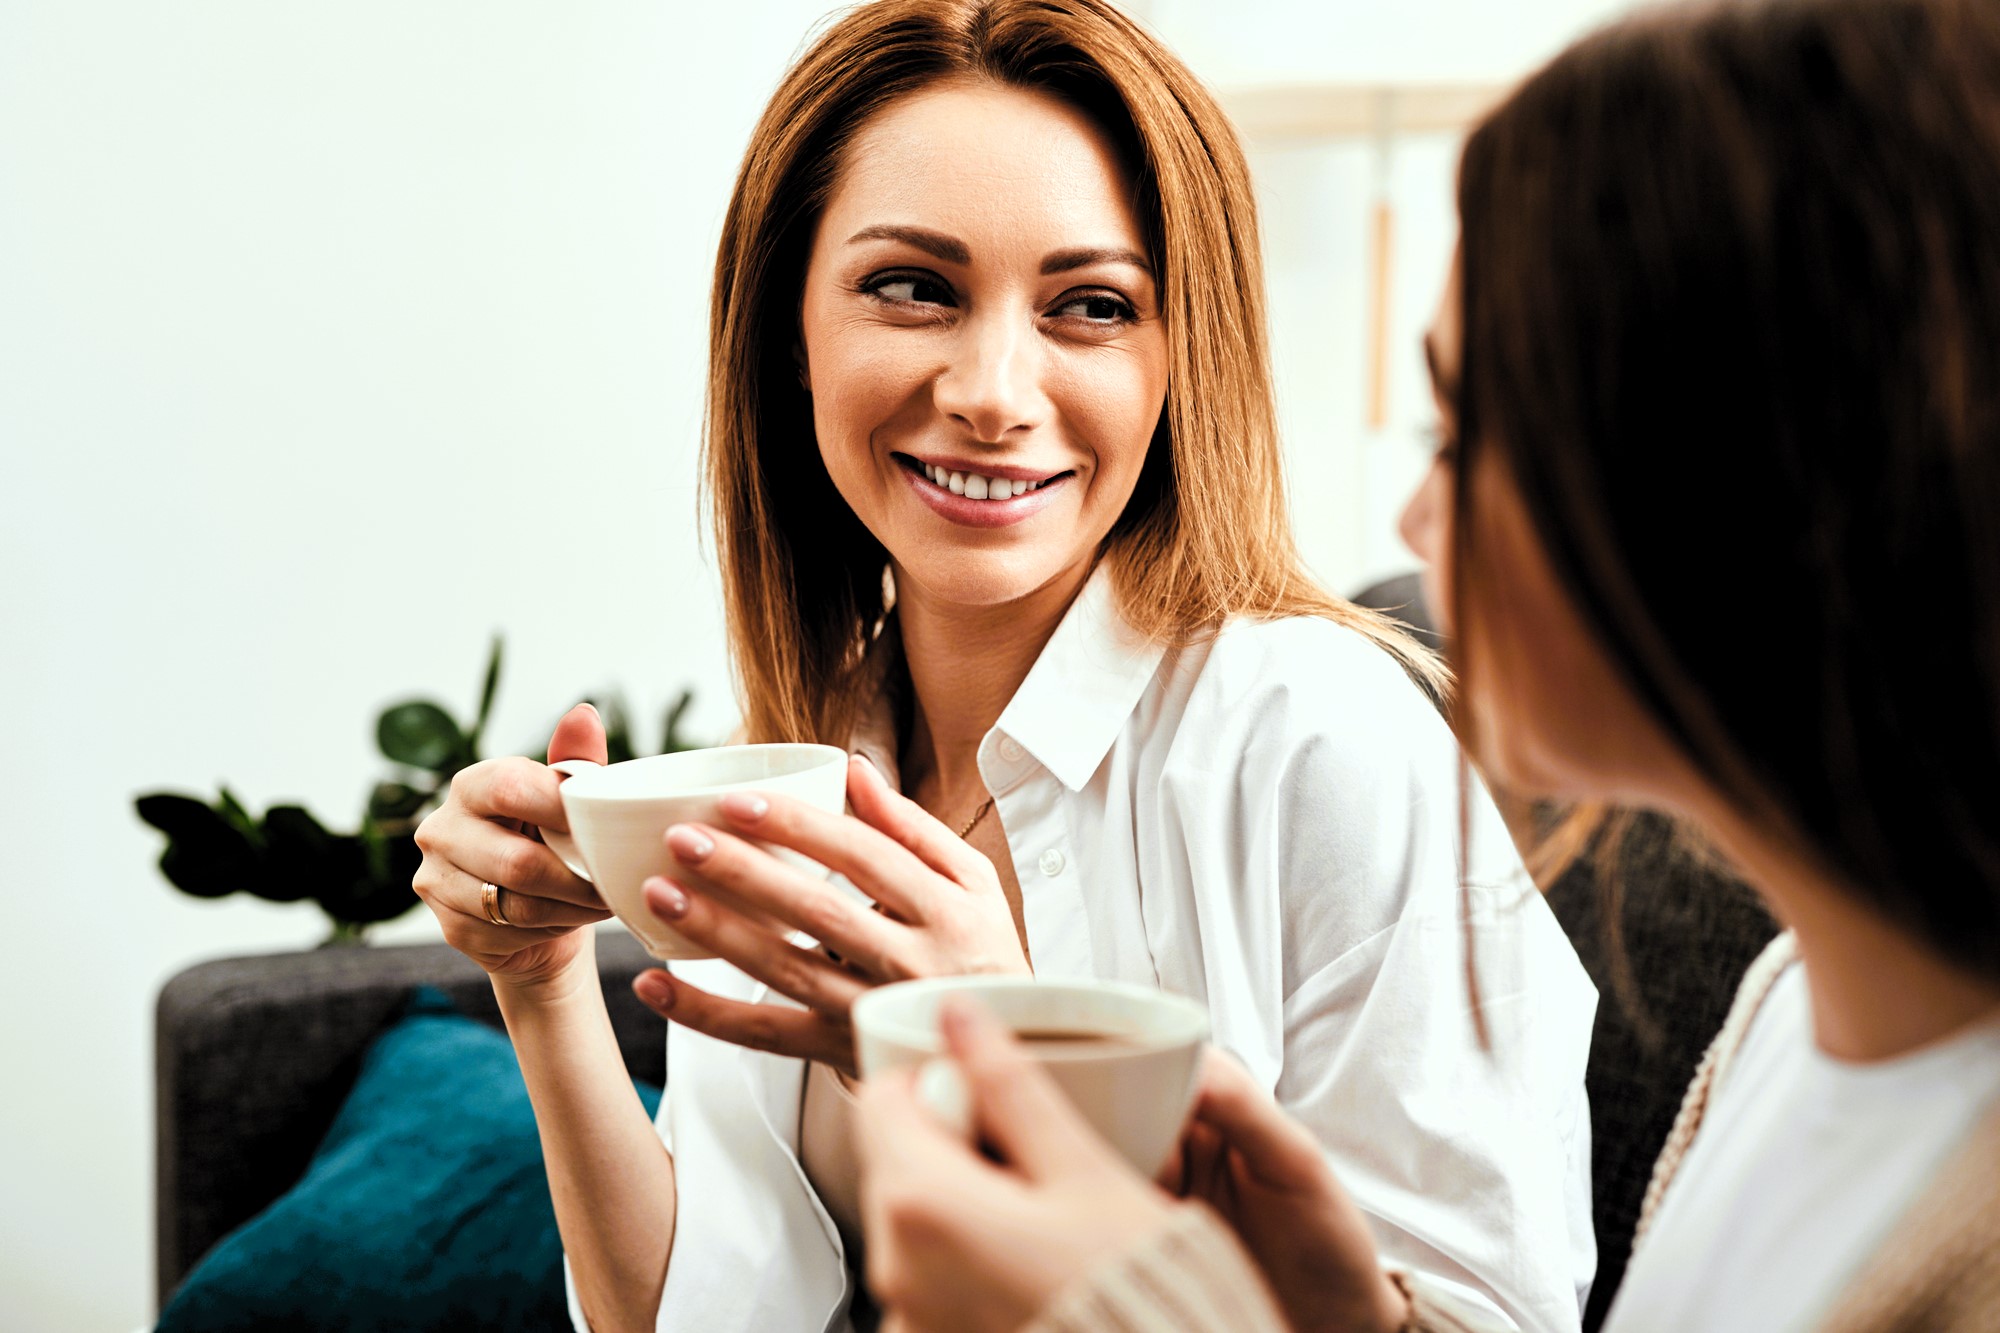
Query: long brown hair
[[1206, 534], [1731, 311]]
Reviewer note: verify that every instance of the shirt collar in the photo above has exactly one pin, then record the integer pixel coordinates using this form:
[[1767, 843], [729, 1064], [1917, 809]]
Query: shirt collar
[[1083, 687], [1067, 712]]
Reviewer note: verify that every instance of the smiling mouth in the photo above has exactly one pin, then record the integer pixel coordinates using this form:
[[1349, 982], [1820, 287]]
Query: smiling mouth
[[975, 485]]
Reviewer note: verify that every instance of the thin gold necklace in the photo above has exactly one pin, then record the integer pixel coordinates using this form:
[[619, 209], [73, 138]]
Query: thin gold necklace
[[977, 815]]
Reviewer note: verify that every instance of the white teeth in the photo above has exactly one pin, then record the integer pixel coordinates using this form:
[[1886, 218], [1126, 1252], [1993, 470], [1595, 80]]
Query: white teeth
[[975, 487]]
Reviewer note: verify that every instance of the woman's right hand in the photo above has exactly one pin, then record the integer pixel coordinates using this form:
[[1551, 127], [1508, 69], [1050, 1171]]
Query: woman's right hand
[[1269, 1179], [475, 838]]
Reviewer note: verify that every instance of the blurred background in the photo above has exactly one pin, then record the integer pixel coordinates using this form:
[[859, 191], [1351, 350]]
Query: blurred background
[[335, 339]]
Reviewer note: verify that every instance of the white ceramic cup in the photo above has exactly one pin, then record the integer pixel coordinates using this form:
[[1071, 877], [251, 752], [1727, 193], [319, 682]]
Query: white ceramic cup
[[619, 815], [1136, 1091]]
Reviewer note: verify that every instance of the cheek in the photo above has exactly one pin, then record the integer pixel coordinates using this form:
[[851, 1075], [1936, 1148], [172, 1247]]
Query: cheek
[[1110, 402], [861, 378], [1552, 720], [1425, 527]]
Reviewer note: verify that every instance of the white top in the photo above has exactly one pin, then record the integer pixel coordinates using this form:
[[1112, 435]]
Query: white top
[[1266, 822], [1799, 1173]]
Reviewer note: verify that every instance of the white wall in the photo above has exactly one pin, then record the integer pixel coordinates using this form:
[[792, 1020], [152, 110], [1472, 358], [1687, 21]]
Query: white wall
[[334, 338], [1348, 480]]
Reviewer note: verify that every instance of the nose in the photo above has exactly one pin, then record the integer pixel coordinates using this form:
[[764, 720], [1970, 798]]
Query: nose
[[993, 384]]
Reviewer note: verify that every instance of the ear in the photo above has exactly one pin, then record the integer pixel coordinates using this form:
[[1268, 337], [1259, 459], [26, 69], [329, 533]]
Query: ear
[[805, 372]]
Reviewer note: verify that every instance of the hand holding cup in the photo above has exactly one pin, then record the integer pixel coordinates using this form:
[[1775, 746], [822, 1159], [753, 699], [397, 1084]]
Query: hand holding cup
[[501, 897], [617, 816], [961, 1241], [942, 912]]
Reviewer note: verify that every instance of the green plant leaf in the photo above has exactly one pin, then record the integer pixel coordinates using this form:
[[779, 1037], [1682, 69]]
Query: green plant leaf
[[196, 871], [206, 854], [420, 734], [370, 901], [672, 742], [486, 693], [371, 883], [232, 810], [374, 848], [301, 859], [392, 801], [345, 935], [295, 826], [405, 859], [177, 816], [617, 729]]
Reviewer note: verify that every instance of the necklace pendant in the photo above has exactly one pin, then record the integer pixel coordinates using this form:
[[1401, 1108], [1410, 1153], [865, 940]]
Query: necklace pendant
[[977, 815]]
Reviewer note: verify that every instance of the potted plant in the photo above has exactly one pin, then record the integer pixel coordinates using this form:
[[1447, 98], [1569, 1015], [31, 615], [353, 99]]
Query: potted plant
[[215, 848]]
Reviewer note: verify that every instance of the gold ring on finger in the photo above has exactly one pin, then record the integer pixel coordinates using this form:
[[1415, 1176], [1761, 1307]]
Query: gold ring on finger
[[489, 898]]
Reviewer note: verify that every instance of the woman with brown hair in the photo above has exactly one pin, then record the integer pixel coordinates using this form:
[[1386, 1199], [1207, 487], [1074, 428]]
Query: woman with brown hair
[[1725, 315], [997, 497]]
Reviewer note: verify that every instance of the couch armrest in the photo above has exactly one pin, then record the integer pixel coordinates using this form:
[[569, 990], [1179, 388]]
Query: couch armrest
[[255, 1055]]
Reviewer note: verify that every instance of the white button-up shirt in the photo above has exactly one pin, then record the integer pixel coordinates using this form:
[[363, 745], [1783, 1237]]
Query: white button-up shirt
[[1267, 821]]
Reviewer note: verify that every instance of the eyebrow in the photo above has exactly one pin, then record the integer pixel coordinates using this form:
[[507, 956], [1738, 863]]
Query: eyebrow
[[954, 251], [944, 247], [1062, 261]]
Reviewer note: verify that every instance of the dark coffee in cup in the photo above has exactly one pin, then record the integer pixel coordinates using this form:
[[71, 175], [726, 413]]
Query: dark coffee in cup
[[1044, 1039], [1128, 1057]]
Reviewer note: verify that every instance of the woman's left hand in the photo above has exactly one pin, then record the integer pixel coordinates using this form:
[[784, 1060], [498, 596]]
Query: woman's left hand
[[958, 1242], [941, 912]]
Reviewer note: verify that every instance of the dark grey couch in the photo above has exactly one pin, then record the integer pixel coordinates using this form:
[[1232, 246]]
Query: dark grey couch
[[254, 1056]]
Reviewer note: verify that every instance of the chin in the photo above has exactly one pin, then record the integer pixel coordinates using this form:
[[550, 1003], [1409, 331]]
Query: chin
[[978, 578]]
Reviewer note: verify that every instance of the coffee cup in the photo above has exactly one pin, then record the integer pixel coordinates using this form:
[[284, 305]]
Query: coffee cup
[[1128, 1057], [619, 815]]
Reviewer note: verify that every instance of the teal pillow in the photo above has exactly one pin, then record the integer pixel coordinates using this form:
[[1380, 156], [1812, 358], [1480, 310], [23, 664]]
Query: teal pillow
[[426, 1207]]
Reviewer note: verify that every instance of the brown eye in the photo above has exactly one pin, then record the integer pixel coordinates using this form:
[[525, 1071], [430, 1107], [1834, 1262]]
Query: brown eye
[[908, 288], [1098, 308]]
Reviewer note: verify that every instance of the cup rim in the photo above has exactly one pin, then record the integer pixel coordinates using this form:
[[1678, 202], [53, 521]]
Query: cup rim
[[1191, 1027], [829, 755]]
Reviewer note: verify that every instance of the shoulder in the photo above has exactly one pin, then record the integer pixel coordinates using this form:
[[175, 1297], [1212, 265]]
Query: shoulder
[[1299, 680]]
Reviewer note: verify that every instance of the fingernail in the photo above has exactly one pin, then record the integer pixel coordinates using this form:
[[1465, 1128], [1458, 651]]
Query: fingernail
[[665, 898], [962, 1020], [593, 709], [745, 806], [867, 765], [655, 989], [955, 1017], [691, 845]]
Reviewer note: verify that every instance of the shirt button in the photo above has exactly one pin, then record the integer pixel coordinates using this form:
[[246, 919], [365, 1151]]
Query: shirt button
[[1052, 862], [1011, 750]]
